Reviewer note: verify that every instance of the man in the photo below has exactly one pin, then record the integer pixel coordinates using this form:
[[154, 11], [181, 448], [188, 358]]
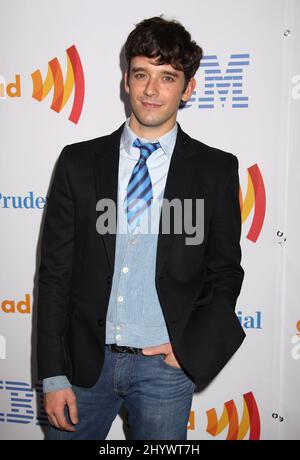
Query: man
[[126, 316]]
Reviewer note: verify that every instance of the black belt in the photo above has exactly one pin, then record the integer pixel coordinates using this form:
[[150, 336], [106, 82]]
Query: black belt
[[113, 347]]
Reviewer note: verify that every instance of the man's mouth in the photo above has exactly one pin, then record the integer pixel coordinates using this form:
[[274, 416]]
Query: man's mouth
[[150, 105]]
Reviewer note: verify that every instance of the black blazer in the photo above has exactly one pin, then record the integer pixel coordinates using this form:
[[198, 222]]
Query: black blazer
[[197, 285]]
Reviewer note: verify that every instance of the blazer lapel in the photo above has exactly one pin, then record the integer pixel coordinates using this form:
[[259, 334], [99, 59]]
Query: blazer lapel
[[178, 185], [106, 181]]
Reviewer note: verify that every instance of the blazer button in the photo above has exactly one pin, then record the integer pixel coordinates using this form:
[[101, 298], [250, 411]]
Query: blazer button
[[108, 279], [100, 323]]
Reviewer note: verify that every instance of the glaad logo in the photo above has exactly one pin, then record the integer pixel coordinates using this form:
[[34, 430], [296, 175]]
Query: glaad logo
[[62, 90], [21, 397], [219, 85], [255, 197], [236, 430], [2, 347], [12, 89], [2, 87], [295, 352], [11, 306]]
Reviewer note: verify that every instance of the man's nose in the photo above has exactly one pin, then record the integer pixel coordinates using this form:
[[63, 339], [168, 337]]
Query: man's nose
[[151, 87]]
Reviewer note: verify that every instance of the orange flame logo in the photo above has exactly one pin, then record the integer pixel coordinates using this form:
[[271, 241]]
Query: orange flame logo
[[62, 90], [236, 431], [255, 197]]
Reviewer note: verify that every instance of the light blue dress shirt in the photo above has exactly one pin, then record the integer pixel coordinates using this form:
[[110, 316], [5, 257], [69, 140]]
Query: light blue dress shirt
[[134, 315]]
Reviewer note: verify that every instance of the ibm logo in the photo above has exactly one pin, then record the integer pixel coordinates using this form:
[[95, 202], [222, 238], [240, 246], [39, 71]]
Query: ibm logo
[[218, 85], [21, 397]]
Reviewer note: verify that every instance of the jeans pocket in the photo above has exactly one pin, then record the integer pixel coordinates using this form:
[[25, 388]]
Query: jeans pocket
[[178, 371], [162, 359]]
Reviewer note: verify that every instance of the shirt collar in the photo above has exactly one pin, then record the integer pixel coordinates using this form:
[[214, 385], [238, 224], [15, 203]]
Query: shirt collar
[[167, 141]]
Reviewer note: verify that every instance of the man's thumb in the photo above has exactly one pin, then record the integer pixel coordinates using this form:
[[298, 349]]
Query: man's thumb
[[149, 351]]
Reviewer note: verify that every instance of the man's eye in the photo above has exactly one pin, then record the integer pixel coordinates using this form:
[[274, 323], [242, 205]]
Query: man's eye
[[138, 75], [169, 78]]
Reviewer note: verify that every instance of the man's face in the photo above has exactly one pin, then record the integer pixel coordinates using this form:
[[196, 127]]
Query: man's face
[[155, 92]]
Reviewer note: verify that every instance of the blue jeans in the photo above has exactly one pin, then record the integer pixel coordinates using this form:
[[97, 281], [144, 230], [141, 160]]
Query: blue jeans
[[157, 398]]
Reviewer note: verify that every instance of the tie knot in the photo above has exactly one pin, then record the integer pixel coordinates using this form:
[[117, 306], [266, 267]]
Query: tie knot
[[146, 148]]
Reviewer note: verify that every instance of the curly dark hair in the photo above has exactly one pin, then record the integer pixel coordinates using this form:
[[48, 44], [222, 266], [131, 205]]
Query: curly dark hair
[[166, 40]]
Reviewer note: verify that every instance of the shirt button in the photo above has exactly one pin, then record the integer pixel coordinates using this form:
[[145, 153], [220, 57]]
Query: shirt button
[[118, 337], [118, 327], [120, 298], [125, 270]]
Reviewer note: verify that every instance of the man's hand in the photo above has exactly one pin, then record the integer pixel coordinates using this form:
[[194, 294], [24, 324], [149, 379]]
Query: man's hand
[[54, 403], [166, 349]]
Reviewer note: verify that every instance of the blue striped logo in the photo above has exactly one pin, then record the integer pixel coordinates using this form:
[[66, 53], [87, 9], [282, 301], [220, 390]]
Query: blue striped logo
[[222, 87], [23, 409]]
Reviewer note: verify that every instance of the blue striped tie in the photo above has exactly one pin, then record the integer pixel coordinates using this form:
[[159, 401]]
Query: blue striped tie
[[139, 189]]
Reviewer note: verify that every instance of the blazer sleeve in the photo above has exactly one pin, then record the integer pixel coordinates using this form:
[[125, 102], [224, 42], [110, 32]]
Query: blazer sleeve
[[213, 332], [223, 253], [55, 273]]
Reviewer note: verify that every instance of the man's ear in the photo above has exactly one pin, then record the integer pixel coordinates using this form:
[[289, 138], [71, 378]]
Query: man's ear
[[126, 82], [188, 90]]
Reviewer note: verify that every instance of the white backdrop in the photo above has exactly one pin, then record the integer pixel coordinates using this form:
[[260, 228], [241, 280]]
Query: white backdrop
[[258, 41]]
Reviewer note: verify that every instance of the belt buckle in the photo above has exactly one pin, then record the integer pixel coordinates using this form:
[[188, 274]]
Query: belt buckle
[[117, 348], [121, 348], [114, 348]]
